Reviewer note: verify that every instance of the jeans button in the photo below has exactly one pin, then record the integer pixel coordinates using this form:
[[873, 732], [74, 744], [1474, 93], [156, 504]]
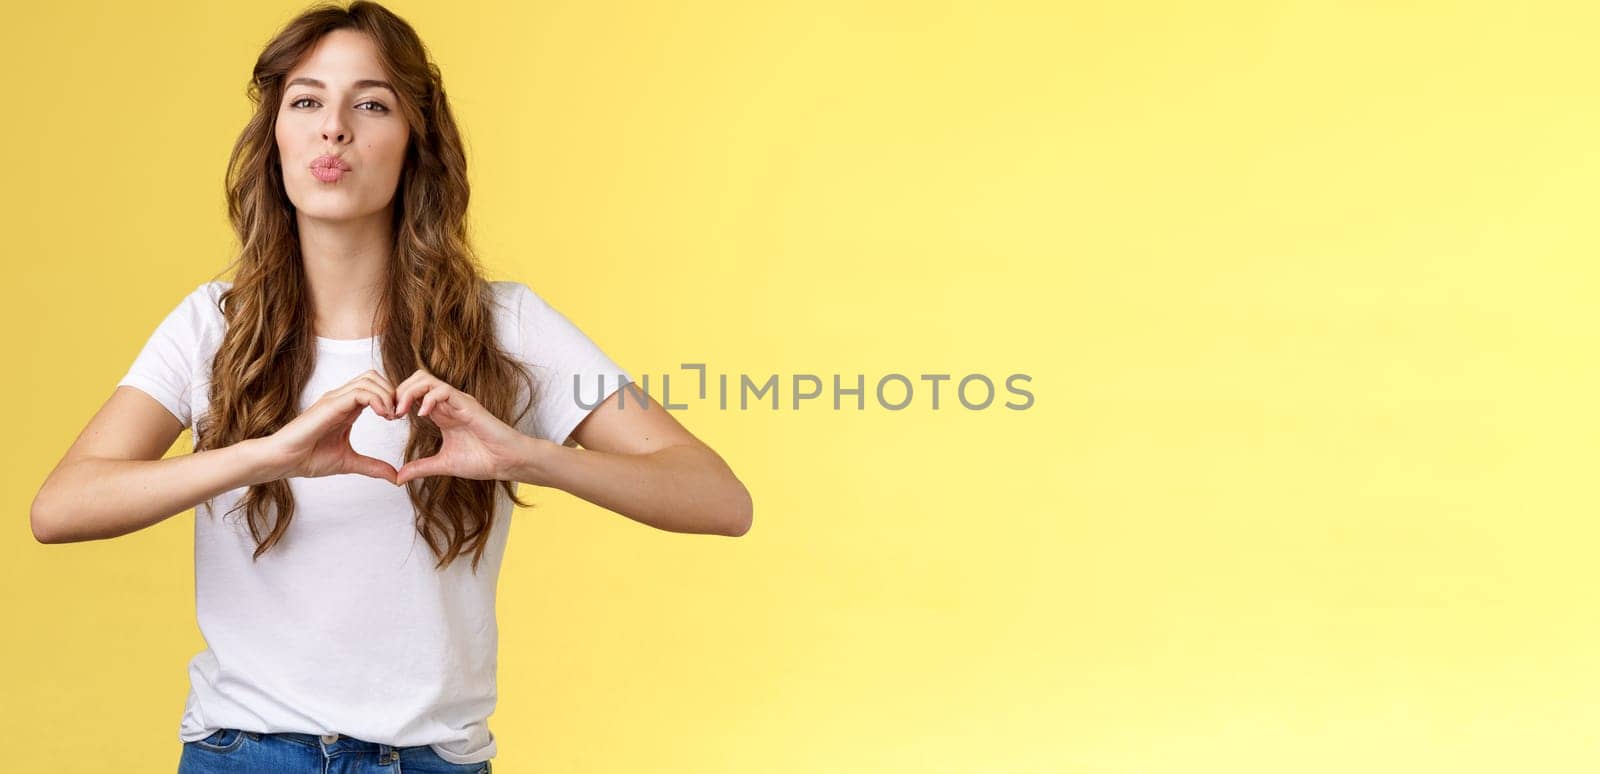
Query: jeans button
[[330, 738]]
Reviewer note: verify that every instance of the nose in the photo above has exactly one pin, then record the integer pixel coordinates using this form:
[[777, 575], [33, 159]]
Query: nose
[[334, 130]]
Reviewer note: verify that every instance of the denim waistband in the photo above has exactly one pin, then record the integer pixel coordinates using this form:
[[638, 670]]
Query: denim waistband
[[342, 744]]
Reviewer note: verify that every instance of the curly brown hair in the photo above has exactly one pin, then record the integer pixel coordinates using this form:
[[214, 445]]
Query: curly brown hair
[[436, 313]]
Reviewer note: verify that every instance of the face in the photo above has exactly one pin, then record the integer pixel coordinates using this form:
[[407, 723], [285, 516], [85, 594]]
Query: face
[[335, 105]]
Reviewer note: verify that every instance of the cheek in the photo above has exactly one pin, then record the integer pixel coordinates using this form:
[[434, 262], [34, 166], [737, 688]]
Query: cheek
[[282, 136], [391, 147]]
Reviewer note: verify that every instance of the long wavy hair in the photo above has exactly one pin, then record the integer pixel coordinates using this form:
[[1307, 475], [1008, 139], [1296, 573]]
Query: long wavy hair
[[436, 313]]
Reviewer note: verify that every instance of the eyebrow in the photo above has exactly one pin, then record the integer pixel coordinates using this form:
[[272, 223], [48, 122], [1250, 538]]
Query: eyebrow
[[313, 82]]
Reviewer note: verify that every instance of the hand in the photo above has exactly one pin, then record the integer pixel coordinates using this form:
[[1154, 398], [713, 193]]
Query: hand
[[475, 443], [317, 443]]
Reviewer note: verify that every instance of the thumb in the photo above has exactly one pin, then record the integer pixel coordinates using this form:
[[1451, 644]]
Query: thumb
[[420, 468], [374, 467]]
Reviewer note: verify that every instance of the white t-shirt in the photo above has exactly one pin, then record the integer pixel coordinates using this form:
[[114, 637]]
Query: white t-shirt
[[344, 626]]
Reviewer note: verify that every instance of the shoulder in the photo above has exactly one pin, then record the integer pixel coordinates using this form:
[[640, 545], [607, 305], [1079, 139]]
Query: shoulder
[[508, 293], [538, 330], [196, 311], [208, 295], [514, 295], [196, 323], [509, 298], [522, 306]]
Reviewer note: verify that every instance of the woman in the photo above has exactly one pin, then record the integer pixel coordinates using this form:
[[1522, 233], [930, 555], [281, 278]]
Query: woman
[[363, 404]]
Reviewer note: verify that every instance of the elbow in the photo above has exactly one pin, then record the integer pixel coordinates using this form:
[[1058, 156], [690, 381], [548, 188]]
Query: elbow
[[743, 515], [39, 521]]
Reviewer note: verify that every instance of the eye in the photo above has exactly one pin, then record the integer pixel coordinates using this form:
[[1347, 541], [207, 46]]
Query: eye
[[377, 107]]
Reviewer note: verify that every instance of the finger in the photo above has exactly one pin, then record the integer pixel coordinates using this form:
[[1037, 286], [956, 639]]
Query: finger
[[380, 385], [420, 468], [407, 381], [421, 374], [364, 396], [374, 467], [439, 394], [415, 385], [340, 408], [346, 413], [356, 392]]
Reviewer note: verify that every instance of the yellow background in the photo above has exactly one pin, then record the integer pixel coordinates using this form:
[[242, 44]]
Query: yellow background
[[1305, 290]]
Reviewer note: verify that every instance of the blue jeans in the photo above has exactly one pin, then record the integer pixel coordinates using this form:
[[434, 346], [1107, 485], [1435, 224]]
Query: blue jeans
[[248, 752]]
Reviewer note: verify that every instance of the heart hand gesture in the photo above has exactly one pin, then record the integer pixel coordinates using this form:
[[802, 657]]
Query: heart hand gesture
[[317, 443], [475, 443]]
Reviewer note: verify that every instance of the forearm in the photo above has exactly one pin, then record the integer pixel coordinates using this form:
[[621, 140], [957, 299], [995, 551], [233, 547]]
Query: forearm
[[678, 489], [95, 499]]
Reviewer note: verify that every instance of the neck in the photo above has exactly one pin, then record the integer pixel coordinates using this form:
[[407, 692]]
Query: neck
[[346, 266]]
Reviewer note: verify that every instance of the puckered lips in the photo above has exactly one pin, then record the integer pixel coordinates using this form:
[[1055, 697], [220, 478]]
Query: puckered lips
[[329, 168]]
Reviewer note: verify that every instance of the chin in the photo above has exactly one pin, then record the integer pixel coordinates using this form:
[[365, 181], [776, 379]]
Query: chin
[[325, 210]]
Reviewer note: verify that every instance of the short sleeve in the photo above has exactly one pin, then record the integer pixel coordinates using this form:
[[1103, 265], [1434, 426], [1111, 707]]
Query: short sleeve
[[164, 367], [560, 354]]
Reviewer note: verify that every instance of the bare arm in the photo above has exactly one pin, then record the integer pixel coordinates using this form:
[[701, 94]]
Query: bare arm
[[112, 481], [681, 488], [642, 463]]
